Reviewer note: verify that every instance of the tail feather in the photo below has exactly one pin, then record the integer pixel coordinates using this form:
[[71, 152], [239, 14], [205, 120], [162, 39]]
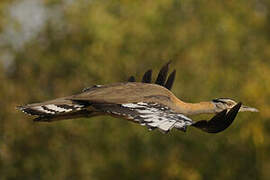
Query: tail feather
[[50, 109], [29, 111]]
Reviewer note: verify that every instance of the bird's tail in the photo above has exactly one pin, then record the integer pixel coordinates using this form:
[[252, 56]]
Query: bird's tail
[[55, 109]]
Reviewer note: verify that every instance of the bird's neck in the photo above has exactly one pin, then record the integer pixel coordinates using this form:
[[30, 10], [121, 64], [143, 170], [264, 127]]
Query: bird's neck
[[196, 108]]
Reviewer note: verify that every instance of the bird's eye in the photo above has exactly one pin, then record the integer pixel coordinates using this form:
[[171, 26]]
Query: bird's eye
[[230, 103]]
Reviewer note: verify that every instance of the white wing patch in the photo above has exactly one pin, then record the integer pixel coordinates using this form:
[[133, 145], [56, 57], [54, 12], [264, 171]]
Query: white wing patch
[[51, 109], [56, 108], [41, 109], [155, 115]]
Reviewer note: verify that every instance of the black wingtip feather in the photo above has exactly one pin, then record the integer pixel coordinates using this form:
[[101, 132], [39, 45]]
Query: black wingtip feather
[[161, 79], [170, 80], [147, 77], [220, 121], [162, 75], [131, 79]]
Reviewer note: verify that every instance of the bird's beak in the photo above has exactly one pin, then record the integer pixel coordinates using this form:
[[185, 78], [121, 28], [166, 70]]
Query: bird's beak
[[246, 108]]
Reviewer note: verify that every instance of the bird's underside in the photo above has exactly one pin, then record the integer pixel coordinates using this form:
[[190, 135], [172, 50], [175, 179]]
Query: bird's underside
[[149, 104]]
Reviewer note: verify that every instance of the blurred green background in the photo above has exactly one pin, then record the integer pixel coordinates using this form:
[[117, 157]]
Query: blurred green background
[[53, 48]]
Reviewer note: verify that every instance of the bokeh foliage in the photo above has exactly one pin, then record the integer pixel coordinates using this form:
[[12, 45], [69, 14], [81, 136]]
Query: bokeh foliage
[[219, 48]]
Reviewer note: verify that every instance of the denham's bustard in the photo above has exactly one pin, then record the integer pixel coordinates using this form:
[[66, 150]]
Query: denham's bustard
[[150, 104]]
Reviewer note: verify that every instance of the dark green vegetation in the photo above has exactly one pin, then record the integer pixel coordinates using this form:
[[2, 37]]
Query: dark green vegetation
[[219, 49]]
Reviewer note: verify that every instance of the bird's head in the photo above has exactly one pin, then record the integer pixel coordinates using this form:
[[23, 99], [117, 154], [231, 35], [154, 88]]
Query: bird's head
[[226, 103]]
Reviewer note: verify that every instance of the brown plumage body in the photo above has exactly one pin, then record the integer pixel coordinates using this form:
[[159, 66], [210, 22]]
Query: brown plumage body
[[121, 93], [130, 92]]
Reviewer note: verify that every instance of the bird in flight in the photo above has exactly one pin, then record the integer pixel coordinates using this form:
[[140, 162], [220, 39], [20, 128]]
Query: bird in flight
[[149, 104]]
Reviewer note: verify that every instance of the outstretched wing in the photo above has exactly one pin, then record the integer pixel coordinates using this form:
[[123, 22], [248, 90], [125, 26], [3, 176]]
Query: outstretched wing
[[220, 121], [151, 115], [161, 79]]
